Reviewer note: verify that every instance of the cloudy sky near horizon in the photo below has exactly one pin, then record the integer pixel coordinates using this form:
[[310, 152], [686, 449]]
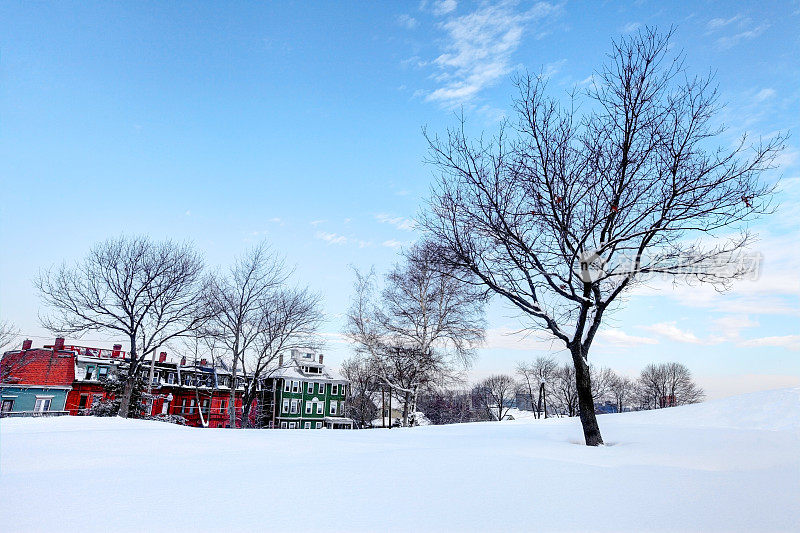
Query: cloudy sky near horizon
[[300, 123]]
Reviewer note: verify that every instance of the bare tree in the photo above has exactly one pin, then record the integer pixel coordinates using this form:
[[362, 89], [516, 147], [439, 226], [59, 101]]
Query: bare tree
[[565, 390], [535, 377], [238, 300], [363, 385], [496, 393], [424, 326], [667, 385], [622, 389], [602, 379], [150, 292], [286, 319], [8, 336], [565, 210]]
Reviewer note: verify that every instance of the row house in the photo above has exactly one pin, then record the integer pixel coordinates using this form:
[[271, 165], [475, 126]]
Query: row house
[[71, 379], [36, 381]]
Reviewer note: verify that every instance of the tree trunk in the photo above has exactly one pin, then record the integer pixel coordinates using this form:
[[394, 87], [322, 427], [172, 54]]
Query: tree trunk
[[127, 392], [591, 431], [232, 398], [539, 403], [405, 409], [544, 400]]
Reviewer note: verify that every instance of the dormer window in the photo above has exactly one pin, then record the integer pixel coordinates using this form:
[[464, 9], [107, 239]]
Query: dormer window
[[89, 372]]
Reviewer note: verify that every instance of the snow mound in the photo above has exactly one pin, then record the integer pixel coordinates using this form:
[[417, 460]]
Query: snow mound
[[727, 465], [766, 410]]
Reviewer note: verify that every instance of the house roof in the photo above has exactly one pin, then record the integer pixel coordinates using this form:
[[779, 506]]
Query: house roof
[[39, 367]]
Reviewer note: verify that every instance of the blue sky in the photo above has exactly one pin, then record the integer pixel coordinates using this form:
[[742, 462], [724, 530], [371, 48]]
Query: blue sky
[[300, 123]]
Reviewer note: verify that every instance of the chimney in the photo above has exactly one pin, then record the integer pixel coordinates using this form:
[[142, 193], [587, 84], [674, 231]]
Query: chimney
[[203, 362], [280, 359], [320, 358], [116, 350], [183, 361], [59, 345], [162, 357], [26, 344]]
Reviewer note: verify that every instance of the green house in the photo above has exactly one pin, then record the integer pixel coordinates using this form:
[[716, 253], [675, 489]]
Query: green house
[[307, 395]]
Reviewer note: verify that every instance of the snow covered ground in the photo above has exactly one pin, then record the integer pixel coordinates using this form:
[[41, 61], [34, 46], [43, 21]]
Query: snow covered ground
[[727, 465]]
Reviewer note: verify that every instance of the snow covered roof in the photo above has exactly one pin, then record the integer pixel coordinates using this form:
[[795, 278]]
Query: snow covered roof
[[293, 370]]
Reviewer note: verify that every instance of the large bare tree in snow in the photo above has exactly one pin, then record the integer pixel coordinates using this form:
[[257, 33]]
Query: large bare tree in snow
[[149, 292], [567, 208]]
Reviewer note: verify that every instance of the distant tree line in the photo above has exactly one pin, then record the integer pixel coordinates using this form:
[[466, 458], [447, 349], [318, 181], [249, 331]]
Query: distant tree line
[[547, 389]]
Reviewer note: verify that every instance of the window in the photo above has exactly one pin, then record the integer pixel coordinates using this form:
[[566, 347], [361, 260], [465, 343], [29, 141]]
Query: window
[[295, 386], [319, 425], [82, 402], [307, 425], [292, 425], [89, 372], [286, 386], [205, 407], [183, 406], [285, 406], [102, 372], [308, 408], [320, 407], [165, 407], [191, 407], [42, 405], [283, 425], [322, 388], [310, 388], [8, 405], [333, 408], [171, 378], [293, 409], [334, 389]]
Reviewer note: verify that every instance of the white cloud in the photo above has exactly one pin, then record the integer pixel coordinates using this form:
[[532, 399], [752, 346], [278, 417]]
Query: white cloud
[[631, 27], [478, 49], [316, 223], [718, 23], [391, 243], [331, 238], [402, 223], [406, 21], [792, 342], [730, 41], [764, 94], [672, 332], [619, 338], [443, 7]]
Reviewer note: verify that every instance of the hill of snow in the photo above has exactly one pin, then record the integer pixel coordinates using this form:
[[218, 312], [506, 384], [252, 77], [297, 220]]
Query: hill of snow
[[727, 465]]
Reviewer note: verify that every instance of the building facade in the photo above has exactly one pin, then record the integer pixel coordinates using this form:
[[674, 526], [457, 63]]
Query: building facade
[[304, 394], [71, 379], [36, 381]]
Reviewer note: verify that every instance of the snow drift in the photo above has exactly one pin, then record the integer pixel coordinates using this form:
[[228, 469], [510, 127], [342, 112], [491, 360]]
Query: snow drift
[[727, 465]]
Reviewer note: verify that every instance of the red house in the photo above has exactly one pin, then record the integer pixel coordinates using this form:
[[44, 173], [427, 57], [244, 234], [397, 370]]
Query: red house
[[36, 381]]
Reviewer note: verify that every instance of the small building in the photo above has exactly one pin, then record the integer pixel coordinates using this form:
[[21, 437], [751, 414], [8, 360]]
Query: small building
[[305, 394], [36, 381]]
